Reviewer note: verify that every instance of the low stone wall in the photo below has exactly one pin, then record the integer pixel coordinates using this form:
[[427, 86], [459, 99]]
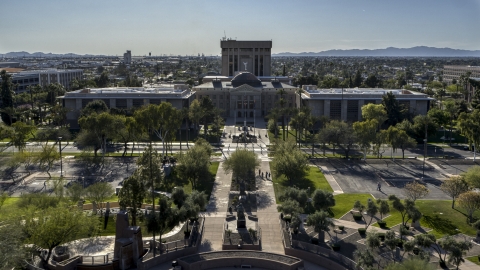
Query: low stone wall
[[210, 260]]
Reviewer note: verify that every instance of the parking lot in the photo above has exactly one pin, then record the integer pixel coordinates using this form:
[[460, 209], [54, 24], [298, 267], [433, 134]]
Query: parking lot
[[356, 176]]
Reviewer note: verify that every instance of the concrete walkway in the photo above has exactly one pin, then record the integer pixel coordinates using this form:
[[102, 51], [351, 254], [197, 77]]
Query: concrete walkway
[[331, 180], [216, 212]]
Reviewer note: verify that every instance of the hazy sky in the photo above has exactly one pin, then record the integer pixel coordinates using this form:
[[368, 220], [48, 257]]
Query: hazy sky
[[191, 27]]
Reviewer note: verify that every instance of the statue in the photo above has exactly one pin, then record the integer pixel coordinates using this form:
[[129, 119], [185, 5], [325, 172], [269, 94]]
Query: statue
[[240, 211], [245, 63]]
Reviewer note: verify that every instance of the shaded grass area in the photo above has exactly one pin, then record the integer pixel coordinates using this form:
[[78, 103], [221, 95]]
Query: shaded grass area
[[439, 216], [313, 180], [344, 203]]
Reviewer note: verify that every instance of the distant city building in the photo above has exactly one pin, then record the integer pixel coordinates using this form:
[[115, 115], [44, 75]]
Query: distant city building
[[23, 79], [454, 72], [346, 104], [179, 95], [127, 57], [250, 56], [9, 64]]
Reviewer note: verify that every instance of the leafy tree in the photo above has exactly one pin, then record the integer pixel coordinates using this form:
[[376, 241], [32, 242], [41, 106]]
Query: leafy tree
[[330, 81], [321, 222], [243, 163], [415, 191], [193, 165], [469, 127], [101, 126], [295, 194], [371, 209], [472, 176], [439, 117], [150, 168], [3, 197], [395, 112], [96, 106], [164, 218], [391, 242], [47, 157], [406, 209], [364, 258], [424, 125], [288, 160], [373, 240], [383, 208], [469, 200], [179, 196], [290, 207], [195, 113], [365, 132], [357, 81], [372, 81], [207, 107], [53, 227], [128, 130], [75, 191], [13, 251], [132, 195], [103, 80], [7, 97], [161, 120], [99, 192], [322, 199], [20, 133], [454, 186]]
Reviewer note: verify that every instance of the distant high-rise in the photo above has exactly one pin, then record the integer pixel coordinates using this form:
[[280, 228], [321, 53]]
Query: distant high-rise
[[127, 57], [250, 56]]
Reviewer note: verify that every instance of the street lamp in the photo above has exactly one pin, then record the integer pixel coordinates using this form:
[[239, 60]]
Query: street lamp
[[61, 164]]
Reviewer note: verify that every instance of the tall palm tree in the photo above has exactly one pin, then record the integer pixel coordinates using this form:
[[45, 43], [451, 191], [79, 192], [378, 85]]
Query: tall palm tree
[[282, 103]]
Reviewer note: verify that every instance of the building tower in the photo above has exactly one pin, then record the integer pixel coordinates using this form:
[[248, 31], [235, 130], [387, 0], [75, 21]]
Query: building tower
[[127, 57], [251, 56]]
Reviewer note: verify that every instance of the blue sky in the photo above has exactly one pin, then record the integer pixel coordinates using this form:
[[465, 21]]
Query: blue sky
[[191, 27]]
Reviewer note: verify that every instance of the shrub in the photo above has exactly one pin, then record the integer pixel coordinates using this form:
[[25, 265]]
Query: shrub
[[362, 231], [381, 236], [382, 224], [341, 228], [357, 216]]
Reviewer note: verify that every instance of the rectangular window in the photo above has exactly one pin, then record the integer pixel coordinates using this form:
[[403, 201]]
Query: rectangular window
[[221, 97], [214, 96], [336, 109], [352, 110]]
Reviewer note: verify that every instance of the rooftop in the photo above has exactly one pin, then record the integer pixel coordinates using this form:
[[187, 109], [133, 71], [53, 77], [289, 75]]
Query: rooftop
[[355, 93], [181, 91]]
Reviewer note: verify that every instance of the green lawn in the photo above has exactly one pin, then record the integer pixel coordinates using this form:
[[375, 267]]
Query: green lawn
[[313, 180], [344, 203], [439, 216], [474, 259]]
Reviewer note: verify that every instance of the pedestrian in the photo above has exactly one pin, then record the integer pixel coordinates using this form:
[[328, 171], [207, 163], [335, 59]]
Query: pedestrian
[[379, 187], [262, 175], [259, 172]]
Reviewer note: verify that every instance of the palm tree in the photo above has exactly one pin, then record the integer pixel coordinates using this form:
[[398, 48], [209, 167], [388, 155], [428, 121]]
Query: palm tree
[[282, 103]]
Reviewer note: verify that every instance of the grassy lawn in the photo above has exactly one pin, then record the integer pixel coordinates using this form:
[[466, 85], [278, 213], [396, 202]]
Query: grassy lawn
[[290, 137], [313, 180], [344, 203], [439, 216], [474, 259]]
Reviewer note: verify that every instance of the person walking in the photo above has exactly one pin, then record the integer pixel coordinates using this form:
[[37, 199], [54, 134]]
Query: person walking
[[262, 175], [259, 172], [379, 187]]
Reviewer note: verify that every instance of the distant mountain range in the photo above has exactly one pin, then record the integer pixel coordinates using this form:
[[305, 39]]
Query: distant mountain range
[[419, 51]]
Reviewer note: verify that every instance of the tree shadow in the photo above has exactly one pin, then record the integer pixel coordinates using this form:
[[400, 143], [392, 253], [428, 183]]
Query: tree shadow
[[440, 224]]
